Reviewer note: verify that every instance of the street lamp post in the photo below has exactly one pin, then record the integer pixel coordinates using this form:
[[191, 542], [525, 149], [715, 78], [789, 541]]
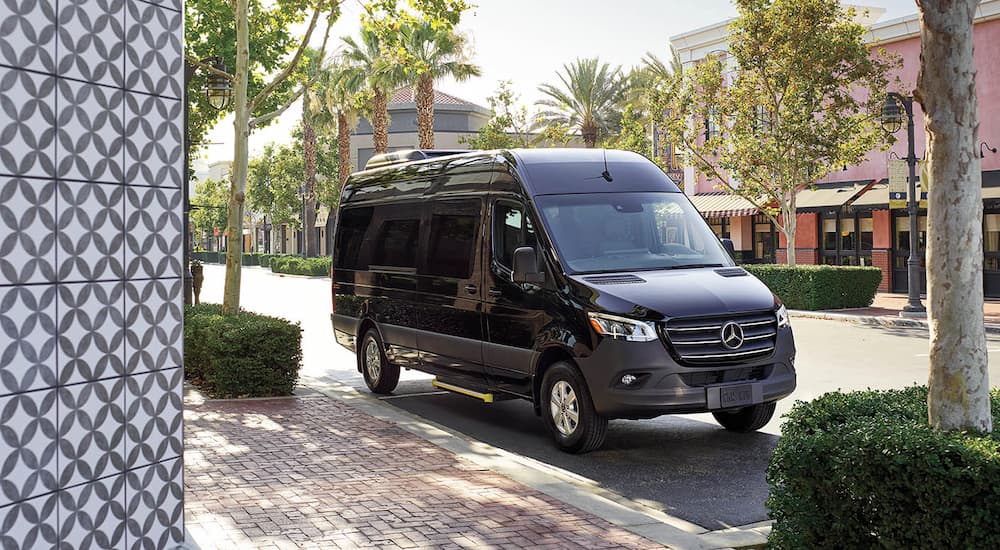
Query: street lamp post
[[220, 94], [302, 233], [892, 121]]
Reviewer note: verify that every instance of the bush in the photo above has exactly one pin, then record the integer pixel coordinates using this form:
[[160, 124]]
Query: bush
[[864, 470], [250, 258], [814, 287], [243, 355], [294, 265]]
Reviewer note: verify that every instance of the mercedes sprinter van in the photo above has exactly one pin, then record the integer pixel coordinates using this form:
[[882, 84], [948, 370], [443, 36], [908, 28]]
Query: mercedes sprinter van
[[581, 280]]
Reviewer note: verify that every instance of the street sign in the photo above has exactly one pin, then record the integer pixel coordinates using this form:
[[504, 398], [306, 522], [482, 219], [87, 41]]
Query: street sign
[[899, 185]]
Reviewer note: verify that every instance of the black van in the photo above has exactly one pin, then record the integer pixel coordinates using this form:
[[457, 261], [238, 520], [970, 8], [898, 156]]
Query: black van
[[582, 280]]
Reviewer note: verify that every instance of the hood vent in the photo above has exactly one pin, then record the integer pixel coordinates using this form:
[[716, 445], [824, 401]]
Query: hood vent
[[732, 272], [614, 279]]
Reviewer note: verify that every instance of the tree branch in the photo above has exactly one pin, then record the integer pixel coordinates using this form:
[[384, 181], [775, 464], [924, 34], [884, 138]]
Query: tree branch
[[263, 119], [195, 63], [290, 67]]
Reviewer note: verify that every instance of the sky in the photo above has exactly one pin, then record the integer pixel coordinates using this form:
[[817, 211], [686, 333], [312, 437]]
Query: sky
[[528, 41]]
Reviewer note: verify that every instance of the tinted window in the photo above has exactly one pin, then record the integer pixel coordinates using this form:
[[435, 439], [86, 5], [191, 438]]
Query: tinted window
[[354, 223], [511, 230], [396, 245], [452, 245]]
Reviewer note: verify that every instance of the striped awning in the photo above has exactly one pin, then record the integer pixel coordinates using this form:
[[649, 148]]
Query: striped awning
[[723, 205]]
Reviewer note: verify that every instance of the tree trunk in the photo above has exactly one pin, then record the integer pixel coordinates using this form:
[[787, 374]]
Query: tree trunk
[[241, 137], [959, 380], [425, 111], [380, 121], [588, 130], [343, 148], [309, 154], [790, 223]]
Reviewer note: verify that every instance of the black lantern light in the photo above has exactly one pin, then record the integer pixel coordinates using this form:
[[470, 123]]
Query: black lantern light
[[892, 115], [219, 90]]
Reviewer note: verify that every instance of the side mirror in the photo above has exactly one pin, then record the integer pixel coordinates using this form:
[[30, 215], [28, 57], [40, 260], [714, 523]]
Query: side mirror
[[728, 245], [526, 267]]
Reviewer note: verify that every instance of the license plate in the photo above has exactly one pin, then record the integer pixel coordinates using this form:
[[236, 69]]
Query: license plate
[[735, 396]]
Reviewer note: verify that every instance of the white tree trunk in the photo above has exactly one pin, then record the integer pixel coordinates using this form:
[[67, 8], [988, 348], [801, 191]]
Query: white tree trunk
[[791, 222], [959, 380], [237, 193]]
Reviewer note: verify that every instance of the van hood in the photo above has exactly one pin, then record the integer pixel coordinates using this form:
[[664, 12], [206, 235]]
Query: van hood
[[656, 295]]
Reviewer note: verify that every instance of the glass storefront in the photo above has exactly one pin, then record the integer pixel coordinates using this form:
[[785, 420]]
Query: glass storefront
[[846, 239], [720, 226], [765, 239]]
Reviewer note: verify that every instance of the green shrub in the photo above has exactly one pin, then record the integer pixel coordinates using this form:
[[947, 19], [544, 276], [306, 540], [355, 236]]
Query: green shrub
[[243, 355], [249, 258], [864, 470], [814, 287], [294, 265]]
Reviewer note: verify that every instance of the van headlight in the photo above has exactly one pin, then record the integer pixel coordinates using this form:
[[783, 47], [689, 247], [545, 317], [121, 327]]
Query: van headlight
[[783, 320], [621, 328]]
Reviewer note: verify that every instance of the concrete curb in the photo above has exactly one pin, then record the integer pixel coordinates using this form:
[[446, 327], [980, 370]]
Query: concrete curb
[[568, 487], [876, 320]]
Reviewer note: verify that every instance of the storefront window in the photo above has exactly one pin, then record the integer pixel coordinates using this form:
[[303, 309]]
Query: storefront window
[[764, 239], [903, 239], [991, 242], [720, 226], [867, 232], [830, 234], [848, 237]]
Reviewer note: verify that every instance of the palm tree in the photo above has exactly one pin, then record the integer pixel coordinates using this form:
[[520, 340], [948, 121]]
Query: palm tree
[[433, 53], [314, 115], [341, 95], [589, 99], [368, 69]]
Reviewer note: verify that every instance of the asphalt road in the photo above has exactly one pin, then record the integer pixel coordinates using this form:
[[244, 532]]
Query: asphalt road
[[686, 465]]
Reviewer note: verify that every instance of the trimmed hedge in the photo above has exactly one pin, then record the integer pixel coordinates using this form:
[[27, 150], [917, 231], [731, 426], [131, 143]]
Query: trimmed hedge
[[814, 287], [864, 470], [294, 265], [243, 355], [251, 258]]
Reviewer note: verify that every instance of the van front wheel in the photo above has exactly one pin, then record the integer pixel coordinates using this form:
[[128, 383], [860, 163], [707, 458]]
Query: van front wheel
[[748, 419], [568, 411], [380, 375]]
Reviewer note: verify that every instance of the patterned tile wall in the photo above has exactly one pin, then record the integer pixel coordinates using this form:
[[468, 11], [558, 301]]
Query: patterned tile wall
[[90, 263]]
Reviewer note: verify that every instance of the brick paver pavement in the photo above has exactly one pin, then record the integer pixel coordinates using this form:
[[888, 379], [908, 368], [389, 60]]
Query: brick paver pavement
[[313, 472]]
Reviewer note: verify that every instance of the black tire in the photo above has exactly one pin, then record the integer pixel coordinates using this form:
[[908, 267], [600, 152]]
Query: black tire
[[748, 419], [383, 377], [590, 428]]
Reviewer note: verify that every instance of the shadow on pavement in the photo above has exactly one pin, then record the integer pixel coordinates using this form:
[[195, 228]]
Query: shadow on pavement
[[690, 469]]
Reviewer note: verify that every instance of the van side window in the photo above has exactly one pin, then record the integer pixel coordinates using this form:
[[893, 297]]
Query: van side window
[[396, 245], [354, 224], [512, 229], [453, 241]]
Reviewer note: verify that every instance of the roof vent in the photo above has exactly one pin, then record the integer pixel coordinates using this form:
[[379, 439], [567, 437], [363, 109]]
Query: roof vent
[[614, 279], [409, 155], [732, 272]]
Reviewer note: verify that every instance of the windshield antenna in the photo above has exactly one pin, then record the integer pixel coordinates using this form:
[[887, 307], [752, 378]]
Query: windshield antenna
[[605, 174]]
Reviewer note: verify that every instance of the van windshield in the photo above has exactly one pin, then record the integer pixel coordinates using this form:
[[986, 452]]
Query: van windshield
[[609, 232]]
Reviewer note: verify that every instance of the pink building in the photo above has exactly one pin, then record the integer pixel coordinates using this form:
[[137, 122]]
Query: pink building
[[846, 219]]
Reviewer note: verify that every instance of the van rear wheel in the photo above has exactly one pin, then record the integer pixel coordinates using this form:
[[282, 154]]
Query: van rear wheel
[[747, 419], [569, 412], [380, 375]]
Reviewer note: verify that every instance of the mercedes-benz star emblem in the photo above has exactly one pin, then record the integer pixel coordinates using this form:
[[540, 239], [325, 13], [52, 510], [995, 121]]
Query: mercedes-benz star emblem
[[732, 335]]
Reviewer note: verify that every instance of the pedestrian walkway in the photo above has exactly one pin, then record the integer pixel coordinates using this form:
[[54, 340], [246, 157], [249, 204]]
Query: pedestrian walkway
[[315, 472], [885, 310]]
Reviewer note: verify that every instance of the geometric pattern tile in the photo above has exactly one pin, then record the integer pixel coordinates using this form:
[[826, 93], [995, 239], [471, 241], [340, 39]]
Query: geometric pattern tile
[[91, 431], [154, 415], [27, 338], [27, 32], [27, 123], [30, 524], [27, 231], [91, 331], [91, 39], [27, 445], [153, 61], [153, 146], [153, 326], [156, 506], [93, 515], [153, 232], [91, 231], [91, 132]]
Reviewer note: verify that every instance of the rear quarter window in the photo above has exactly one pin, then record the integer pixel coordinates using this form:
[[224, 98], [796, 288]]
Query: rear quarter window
[[354, 224]]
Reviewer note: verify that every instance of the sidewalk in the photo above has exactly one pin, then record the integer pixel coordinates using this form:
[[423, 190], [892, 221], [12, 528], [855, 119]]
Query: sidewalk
[[885, 311], [315, 472]]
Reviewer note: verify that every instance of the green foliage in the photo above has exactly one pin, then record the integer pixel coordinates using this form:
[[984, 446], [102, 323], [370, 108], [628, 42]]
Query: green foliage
[[588, 99], [816, 287], [386, 18], [295, 265], [508, 124], [251, 258], [435, 51], [208, 205], [864, 470], [633, 136], [794, 100], [273, 184], [241, 355]]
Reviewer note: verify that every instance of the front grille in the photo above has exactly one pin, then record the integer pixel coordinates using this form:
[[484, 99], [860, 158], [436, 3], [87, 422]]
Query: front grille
[[698, 341], [740, 374]]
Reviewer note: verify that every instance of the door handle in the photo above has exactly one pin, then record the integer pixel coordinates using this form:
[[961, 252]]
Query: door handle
[[471, 289], [495, 292]]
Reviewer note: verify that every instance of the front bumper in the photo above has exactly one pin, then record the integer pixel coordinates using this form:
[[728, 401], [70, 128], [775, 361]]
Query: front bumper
[[666, 387]]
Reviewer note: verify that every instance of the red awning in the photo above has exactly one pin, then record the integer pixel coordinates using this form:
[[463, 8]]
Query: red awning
[[723, 205]]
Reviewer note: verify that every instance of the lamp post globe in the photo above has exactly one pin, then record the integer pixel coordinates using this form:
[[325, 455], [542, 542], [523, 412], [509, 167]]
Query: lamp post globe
[[219, 91], [892, 115]]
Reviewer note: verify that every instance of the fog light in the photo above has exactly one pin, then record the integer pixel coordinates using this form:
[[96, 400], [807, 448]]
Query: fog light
[[629, 379]]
